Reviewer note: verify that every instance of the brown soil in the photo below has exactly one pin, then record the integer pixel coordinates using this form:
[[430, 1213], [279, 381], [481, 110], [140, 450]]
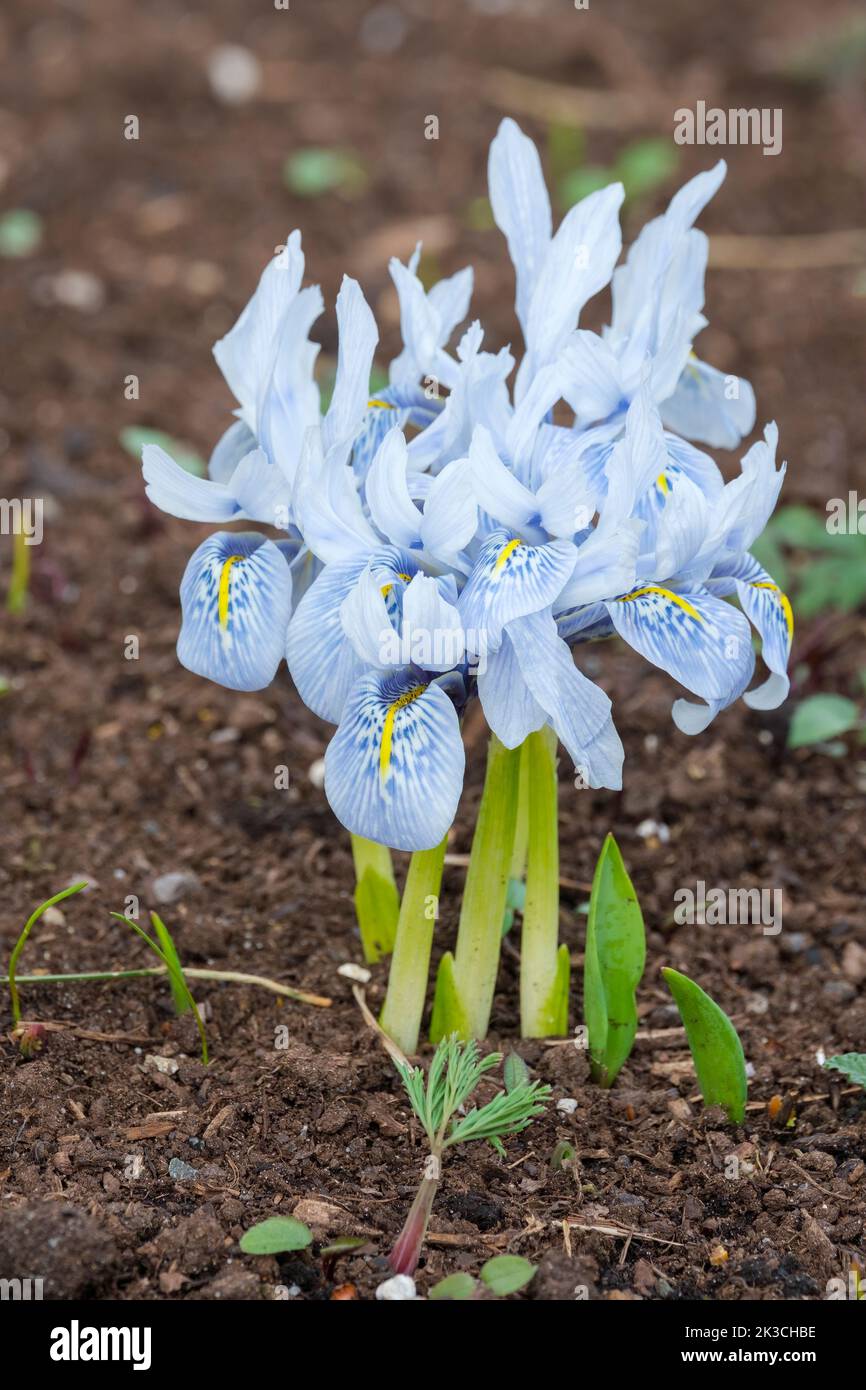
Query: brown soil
[[121, 771]]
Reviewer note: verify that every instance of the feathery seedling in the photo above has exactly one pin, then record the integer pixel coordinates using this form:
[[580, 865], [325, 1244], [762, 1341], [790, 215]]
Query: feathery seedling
[[454, 1075]]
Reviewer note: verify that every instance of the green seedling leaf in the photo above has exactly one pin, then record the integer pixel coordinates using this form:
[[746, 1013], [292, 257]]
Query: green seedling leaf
[[20, 943], [801, 528], [820, 718], [342, 1245], [613, 965], [455, 1287], [715, 1044], [448, 1016], [20, 232], [506, 1274], [314, 172], [581, 183], [563, 1153], [852, 1064], [646, 164], [176, 978], [377, 902], [276, 1236], [515, 1072], [164, 937], [135, 437]]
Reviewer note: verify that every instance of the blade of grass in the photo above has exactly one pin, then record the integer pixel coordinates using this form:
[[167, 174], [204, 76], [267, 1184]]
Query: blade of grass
[[19, 944], [176, 977], [180, 996]]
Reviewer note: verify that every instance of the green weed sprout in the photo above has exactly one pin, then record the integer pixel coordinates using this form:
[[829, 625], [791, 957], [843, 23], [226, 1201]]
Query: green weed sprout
[[167, 953], [20, 943], [454, 1074], [715, 1045], [851, 1064]]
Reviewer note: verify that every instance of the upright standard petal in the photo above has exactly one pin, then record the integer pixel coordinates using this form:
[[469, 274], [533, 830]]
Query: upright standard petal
[[701, 641], [236, 597], [387, 492], [394, 769], [357, 344], [246, 354], [521, 207], [710, 407]]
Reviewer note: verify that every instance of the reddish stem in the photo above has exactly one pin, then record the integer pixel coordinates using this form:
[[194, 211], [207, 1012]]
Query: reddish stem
[[407, 1250]]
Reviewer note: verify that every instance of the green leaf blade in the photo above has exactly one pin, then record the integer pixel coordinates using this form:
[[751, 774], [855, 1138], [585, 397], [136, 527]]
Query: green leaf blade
[[852, 1064], [275, 1236], [820, 718], [613, 966], [457, 1288], [506, 1274], [715, 1045]]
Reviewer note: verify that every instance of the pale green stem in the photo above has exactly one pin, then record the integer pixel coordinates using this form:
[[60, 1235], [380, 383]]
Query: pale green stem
[[410, 963], [543, 1000], [377, 902], [236, 977], [20, 943], [476, 959], [19, 583], [521, 829]]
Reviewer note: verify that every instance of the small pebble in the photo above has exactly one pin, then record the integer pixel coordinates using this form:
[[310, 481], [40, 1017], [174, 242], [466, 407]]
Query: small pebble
[[169, 888], [180, 1171], [316, 773], [354, 972], [400, 1289], [567, 1105], [234, 73]]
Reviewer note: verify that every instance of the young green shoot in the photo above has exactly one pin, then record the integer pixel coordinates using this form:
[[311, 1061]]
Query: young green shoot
[[179, 987], [438, 1100], [613, 965], [851, 1064], [466, 980], [20, 943], [410, 962], [19, 582], [715, 1045], [377, 902], [544, 964]]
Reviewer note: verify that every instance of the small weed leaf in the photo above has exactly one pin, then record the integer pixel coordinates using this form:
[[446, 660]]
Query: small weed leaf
[[456, 1287], [852, 1064], [506, 1274], [275, 1236]]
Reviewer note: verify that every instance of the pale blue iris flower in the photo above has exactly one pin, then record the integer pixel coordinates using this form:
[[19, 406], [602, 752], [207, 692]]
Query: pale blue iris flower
[[445, 538]]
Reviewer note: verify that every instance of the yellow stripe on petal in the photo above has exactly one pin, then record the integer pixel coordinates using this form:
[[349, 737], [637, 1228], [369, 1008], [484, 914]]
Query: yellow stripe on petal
[[225, 583], [676, 599], [380, 405], [662, 483], [784, 602], [407, 698], [506, 552]]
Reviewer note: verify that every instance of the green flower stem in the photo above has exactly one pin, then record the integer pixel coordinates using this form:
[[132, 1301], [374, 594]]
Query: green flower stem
[[521, 829], [377, 902], [467, 982], [543, 964], [410, 963]]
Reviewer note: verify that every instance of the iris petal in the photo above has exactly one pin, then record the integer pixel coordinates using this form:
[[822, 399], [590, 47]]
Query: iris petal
[[236, 597], [394, 769], [511, 579]]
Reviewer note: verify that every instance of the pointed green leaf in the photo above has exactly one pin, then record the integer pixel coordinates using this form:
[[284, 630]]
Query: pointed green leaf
[[456, 1287], [715, 1044], [506, 1274], [275, 1236], [377, 902], [449, 1016], [179, 994], [613, 964]]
